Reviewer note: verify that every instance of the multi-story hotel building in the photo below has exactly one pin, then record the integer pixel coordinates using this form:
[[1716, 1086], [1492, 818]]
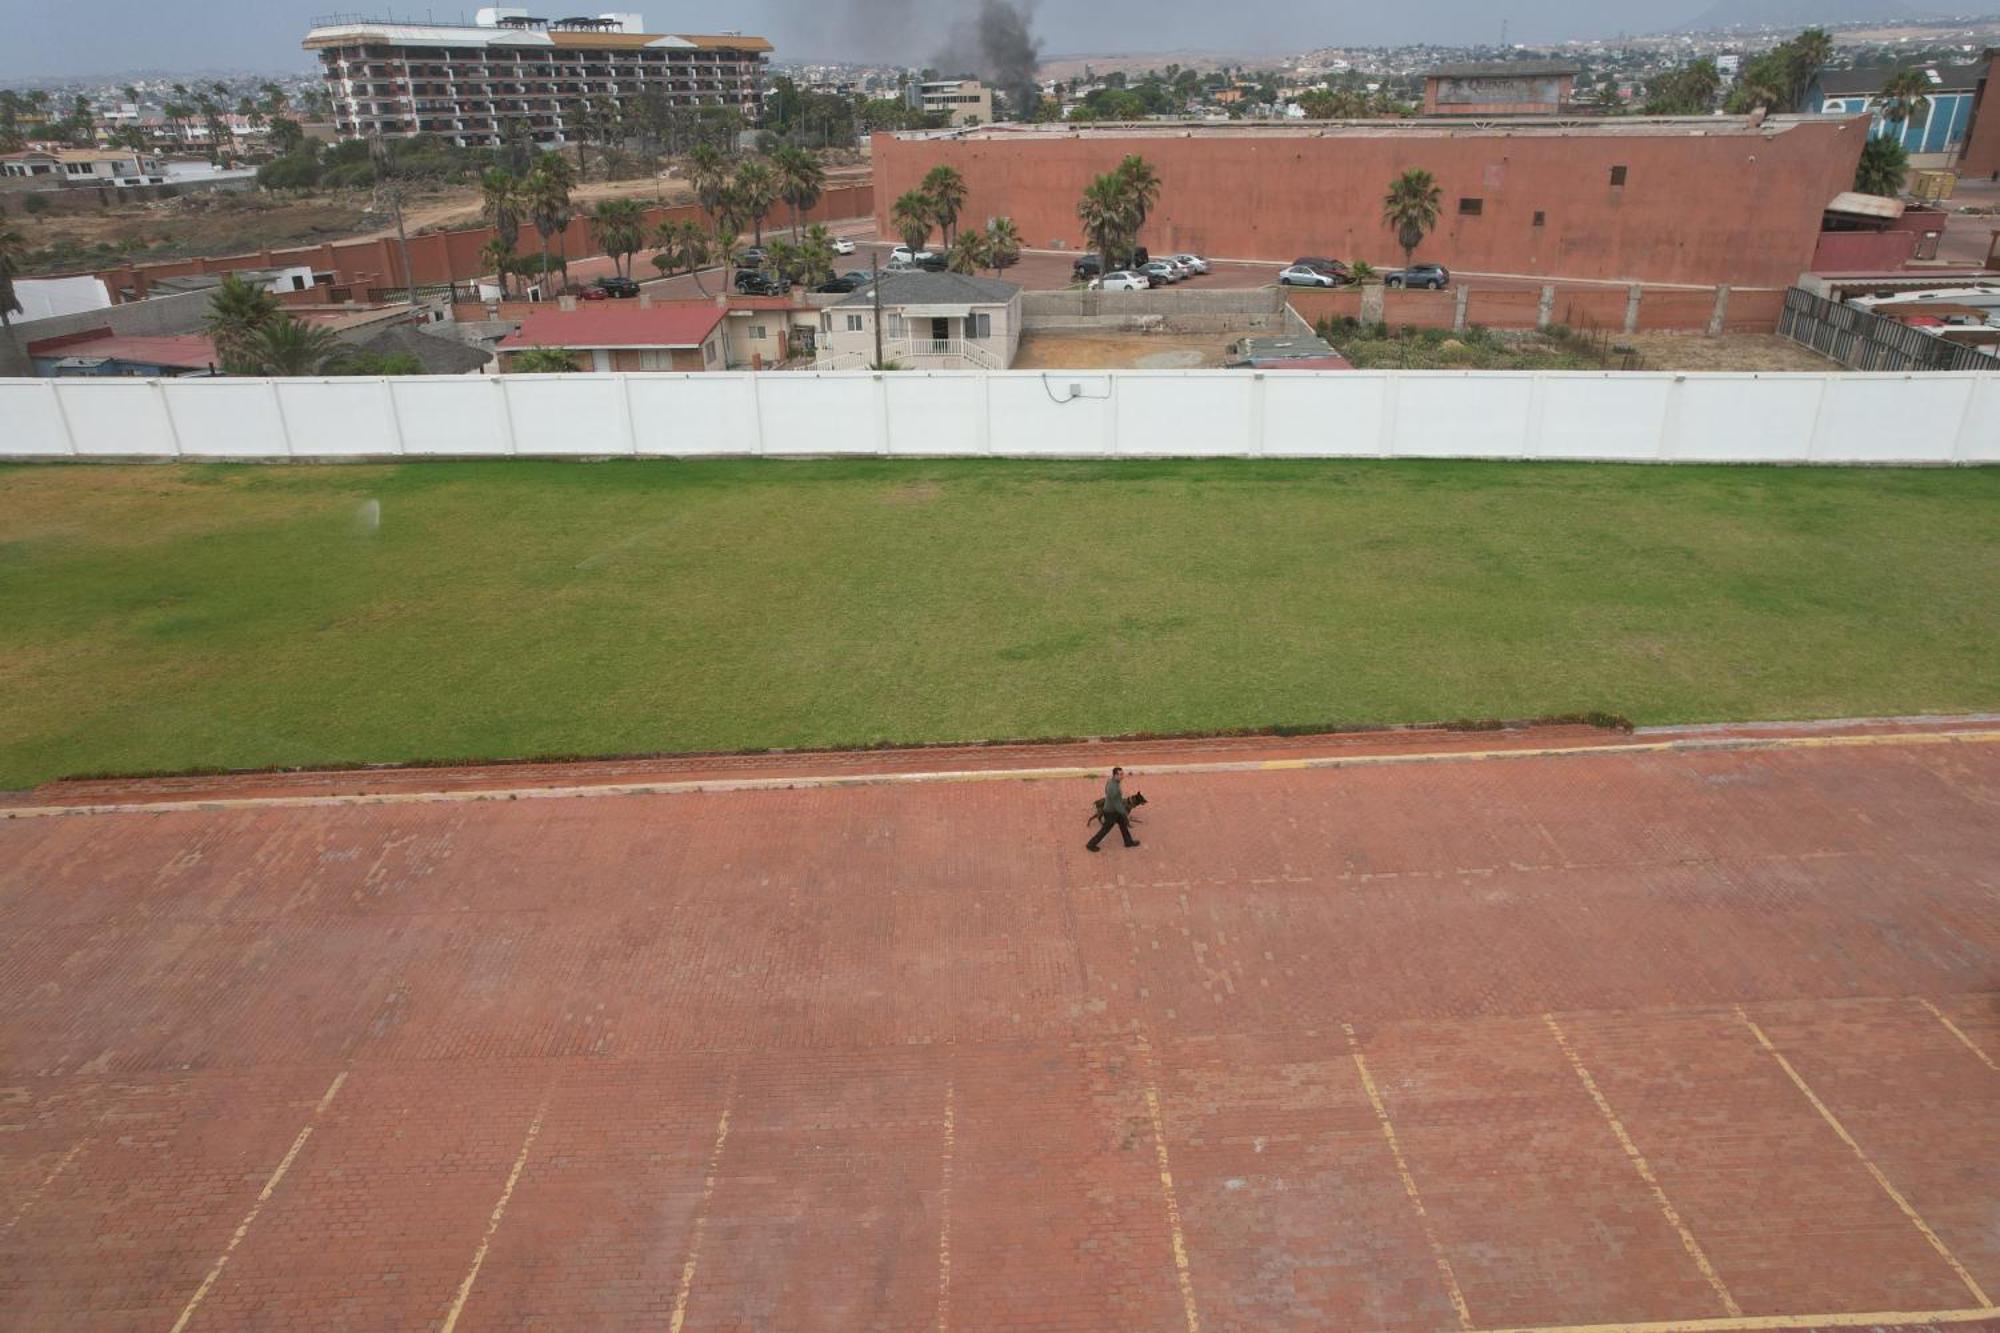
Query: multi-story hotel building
[[472, 84]]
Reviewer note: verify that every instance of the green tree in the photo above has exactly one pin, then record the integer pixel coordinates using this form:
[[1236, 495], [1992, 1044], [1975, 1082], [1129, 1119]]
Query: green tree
[[1410, 209], [503, 199], [498, 256], [912, 216], [621, 230], [708, 175], [13, 254], [801, 182], [1687, 91], [543, 361], [816, 256], [548, 206], [1141, 185], [288, 346], [684, 248], [946, 190], [1003, 240], [373, 363], [970, 252], [237, 312], [1106, 213], [1905, 96], [287, 135], [756, 187], [1884, 166], [1808, 54]]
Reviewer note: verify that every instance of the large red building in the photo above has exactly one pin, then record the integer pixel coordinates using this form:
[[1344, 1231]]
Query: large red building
[[1699, 200], [1982, 139]]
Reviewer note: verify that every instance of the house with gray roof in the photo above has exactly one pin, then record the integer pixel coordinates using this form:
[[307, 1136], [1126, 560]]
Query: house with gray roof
[[929, 321]]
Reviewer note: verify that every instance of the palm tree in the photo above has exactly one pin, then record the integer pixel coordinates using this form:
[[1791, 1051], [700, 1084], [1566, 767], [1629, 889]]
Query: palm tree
[[621, 230], [1106, 213], [1003, 241], [801, 182], [1142, 190], [816, 255], [13, 252], [498, 256], [708, 173], [756, 190], [683, 246], [542, 361], [237, 312], [946, 190], [913, 217], [547, 197], [971, 252], [1905, 96], [503, 200], [1410, 209], [1884, 165], [1809, 52], [288, 346]]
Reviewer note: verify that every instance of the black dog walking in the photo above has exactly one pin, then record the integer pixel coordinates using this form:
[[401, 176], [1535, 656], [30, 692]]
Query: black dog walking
[[1114, 810]]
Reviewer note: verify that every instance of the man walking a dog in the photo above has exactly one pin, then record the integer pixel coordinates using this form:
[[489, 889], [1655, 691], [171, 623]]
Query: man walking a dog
[[1114, 810]]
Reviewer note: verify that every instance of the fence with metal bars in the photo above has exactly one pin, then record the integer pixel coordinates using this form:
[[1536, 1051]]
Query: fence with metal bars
[[1863, 341], [427, 292]]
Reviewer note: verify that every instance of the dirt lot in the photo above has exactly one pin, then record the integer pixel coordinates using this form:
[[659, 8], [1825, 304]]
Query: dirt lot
[[193, 224], [1122, 351], [1730, 351]]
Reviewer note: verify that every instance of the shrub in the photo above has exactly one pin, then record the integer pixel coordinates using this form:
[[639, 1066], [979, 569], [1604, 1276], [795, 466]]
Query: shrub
[[297, 171], [35, 204]]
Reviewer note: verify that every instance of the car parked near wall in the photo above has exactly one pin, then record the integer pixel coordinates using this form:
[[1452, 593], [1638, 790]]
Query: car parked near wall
[[611, 289], [1301, 275], [1121, 281], [756, 282], [1193, 263], [1090, 266], [1436, 277], [1161, 269], [1333, 268], [843, 246]]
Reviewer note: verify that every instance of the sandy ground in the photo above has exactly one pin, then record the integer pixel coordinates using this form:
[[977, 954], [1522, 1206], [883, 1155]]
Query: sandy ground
[[1122, 351], [1731, 351]]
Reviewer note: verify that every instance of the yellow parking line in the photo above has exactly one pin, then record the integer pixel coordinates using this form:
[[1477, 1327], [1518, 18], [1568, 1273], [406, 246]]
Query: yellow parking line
[[1726, 744], [263, 1197], [1959, 1032], [1452, 1290], [35, 1194], [499, 1211], [944, 1205], [1943, 1250], [709, 1179], [1754, 1323], [1183, 1270], [1645, 1170]]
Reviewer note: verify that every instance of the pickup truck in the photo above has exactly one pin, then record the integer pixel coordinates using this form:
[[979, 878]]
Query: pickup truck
[[1434, 276]]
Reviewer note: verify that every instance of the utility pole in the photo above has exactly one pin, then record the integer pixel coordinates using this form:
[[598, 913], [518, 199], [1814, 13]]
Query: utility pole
[[875, 289]]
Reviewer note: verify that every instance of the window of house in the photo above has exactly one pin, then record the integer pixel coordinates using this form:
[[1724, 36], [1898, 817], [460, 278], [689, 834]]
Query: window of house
[[1617, 175], [854, 323], [826, 323], [896, 329], [656, 359], [1471, 208], [982, 326], [759, 332], [1540, 217]]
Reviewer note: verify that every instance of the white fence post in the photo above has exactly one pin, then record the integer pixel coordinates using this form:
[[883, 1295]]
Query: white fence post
[[750, 383], [396, 416], [625, 415], [62, 416], [506, 418], [167, 413], [986, 416], [1387, 444], [1256, 445], [284, 423], [1111, 442]]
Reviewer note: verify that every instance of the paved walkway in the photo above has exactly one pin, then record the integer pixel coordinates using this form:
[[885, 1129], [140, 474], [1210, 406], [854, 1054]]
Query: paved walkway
[[1694, 1031]]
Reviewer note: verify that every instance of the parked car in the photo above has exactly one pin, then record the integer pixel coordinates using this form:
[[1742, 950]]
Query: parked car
[[1194, 262], [1304, 275], [862, 277], [932, 261], [1161, 269], [1436, 277], [842, 246], [754, 257], [904, 257], [1182, 272], [1333, 268], [1122, 281], [1087, 267], [842, 284], [617, 289], [756, 282]]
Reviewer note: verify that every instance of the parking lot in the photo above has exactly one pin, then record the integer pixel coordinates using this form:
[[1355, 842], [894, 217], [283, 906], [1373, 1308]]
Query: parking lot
[[1524, 1030]]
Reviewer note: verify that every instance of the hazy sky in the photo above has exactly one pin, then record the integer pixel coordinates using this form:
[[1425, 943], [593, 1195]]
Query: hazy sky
[[53, 37]]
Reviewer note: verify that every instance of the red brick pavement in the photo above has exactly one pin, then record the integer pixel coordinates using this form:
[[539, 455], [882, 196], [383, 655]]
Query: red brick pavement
[[1694, 1037]]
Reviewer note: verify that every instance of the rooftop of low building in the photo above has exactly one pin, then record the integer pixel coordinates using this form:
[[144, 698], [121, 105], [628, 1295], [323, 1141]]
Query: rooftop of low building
[[1412, 127], [925, 288]]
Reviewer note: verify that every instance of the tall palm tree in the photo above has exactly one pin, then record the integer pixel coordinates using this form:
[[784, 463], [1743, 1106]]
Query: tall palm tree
[[970, 252], [946, 190], [547, 198], [1141, 185], [683, 245], [708, 174], [288, 346], [756, 189], [1410, 209], [1106, 213], [913, 218], [498, 256], [621, 230], [1003, 240], [1905, 96], [237, 312], [801, 182], [503, 199], [816, 255], [13, 253], [1805, 56]]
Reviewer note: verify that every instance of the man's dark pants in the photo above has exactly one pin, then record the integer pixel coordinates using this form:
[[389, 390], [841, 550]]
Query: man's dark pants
[[1124, 826]]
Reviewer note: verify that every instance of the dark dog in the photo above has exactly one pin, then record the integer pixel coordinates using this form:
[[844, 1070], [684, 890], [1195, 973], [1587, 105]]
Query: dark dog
[[1097, 815]]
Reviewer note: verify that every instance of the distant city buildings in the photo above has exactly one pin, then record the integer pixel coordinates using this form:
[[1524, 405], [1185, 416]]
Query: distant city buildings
[[965, 101], [1500, 88], [510, 74]]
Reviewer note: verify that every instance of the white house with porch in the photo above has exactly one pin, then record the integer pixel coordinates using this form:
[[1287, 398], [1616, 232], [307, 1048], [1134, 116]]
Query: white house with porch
[[930, 321]]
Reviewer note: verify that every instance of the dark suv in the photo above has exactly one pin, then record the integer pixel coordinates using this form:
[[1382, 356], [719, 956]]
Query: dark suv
[[619, 289], [1434, 276], [756, 282]]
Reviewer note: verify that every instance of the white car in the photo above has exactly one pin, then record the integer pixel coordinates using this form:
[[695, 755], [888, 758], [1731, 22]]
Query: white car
[[1192, 262], [1298, 275], [1121, 281], [904, 257], [843, 246], [1181, 266]]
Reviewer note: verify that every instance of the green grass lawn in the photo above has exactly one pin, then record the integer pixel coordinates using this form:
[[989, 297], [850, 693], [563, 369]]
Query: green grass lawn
[[163, 618]]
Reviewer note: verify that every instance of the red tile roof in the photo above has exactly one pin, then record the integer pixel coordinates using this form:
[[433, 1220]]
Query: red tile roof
[[190, 351], [618, 324]]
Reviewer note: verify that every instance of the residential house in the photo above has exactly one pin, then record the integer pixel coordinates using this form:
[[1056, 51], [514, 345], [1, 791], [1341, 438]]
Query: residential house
[[1499, 88], [100, 351], [764, 332], [930, 321], [623, 336], [85, 166], [1934, 136]]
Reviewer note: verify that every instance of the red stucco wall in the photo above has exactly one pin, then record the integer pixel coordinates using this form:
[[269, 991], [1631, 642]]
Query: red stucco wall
[[1738, 208], [1982, 142]]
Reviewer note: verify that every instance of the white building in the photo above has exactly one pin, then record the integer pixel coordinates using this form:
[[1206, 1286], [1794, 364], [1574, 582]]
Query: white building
[[966, 101], [930, 321]]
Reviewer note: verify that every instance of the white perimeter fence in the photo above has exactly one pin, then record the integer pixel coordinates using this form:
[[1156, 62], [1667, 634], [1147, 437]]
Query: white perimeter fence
[[1738, 418]]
